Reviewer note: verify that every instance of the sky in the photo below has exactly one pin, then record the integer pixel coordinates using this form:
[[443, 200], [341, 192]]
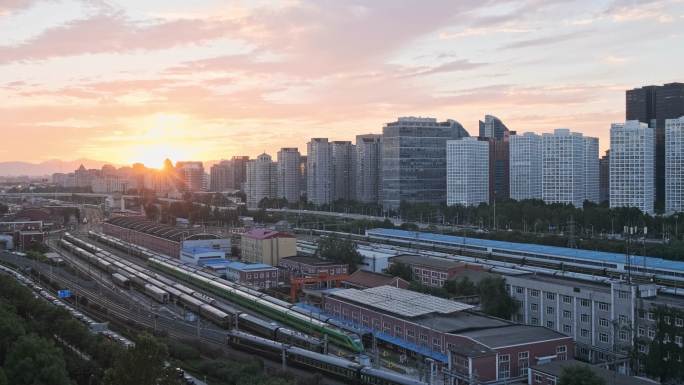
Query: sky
[[128, 81]]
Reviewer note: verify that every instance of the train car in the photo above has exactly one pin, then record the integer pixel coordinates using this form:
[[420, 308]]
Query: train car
[[121, 280], [372, 376], [190, 302], [215, 315], [331, 365], [301, 340], [261, 346], [156, 293]]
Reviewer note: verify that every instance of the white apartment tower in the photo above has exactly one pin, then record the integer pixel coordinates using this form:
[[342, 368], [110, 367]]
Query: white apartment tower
[[262, 180], [289, 174], [343, 155], [564, 164], [632, 165], [319, 171], [368, 166], [525, 166], [674, 165], [467, 171]]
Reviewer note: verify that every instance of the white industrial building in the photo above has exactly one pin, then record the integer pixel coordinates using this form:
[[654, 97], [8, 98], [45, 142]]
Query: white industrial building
[[525, 166], [632, 163], [674, 165], [467, 171]]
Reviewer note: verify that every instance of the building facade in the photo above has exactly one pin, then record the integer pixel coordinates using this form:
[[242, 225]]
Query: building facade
[[368, 167], [343, 155], [262, 180], [319, 171], [653, 105], [267, 246], [256, 275], [591, 169], [499, 136], [604, 178], [674, 165], [190, 176], [299, 266], [525, 166], [468, 171], [221, 177], [563, 167], [631, 165], [433, 272], [289, 174], [414, 160]]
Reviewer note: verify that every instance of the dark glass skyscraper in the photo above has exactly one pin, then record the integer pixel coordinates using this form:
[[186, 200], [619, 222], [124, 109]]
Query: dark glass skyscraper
[[604, 178], [414, 160], [498, 135], [653, 105]]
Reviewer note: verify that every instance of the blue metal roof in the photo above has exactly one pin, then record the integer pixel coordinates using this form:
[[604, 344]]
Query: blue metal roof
[[215, 263], [248, 266], [589, 255], [195, 250]]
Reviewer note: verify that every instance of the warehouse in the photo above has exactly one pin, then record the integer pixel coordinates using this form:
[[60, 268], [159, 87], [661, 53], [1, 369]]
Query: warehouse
[[164, 239], [469, 344]]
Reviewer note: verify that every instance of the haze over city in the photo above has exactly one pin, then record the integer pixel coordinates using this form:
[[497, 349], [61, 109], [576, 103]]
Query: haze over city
[[140, 81]]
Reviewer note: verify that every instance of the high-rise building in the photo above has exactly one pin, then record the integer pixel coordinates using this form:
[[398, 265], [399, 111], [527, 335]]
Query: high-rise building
[[302, 175], [631, 165], [343, 155], [289, 176], [368, 167], [262, 180], [604, 178], [319, 171], [564, 163], [674, 165], [653, 105], [467, 171], [526, 166], [190, 176], [239, 171], [414, 160], [221, 176], [498, 135], [591, 169]]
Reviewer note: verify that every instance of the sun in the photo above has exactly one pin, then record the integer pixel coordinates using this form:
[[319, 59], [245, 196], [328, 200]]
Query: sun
[[165, 136]]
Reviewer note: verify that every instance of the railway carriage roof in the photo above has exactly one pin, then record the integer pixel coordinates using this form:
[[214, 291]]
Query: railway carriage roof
[[589, 255]]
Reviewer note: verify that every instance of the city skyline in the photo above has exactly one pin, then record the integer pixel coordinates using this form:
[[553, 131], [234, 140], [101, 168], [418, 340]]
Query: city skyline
[[211, 81]]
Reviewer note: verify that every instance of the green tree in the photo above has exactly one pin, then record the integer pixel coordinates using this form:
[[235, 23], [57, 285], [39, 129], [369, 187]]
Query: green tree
[[340, 250], [494, 299], [33, 360], [579, 375], [3, 378], [460, 287], [11, 329], [142, 365], [402, 270]]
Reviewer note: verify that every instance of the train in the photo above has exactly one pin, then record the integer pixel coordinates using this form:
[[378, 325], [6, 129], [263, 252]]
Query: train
[[273, 308], [349, 371], [164, 290], [39, 292]]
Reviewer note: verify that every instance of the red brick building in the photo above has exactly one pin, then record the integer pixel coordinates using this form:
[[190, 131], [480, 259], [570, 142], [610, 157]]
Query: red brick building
[[433, 271], [549, 373], [309, 266], [468, 346], [361, 279]]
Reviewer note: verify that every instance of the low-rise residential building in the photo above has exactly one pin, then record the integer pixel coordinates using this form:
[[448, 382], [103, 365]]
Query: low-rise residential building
[[267, 246], [433, 271]]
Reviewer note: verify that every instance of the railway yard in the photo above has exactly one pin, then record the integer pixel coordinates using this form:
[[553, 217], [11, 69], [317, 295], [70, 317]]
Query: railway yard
[[132, 289]]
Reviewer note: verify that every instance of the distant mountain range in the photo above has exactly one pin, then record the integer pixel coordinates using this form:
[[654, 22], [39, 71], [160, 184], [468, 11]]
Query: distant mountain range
[[52, 166], [47, 167]]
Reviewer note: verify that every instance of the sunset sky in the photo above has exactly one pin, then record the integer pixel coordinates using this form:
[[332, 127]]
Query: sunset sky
[[126, 81]]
